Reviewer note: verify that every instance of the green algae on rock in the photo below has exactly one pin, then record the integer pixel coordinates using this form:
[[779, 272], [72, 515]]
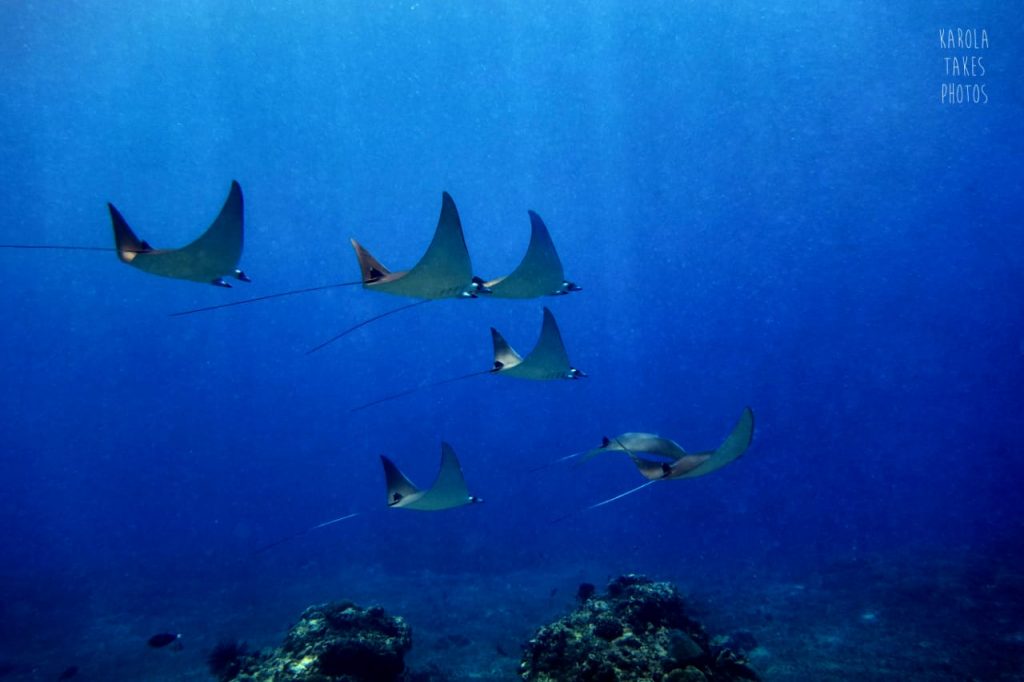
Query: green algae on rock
[[335, 642], [637, 630]]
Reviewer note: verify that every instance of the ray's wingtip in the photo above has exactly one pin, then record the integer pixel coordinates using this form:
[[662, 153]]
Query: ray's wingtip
[[235, 194], [537, 223], [747, 414]]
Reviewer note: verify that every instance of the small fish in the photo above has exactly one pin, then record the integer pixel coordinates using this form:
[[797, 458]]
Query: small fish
[[68, 673], [162, 639]]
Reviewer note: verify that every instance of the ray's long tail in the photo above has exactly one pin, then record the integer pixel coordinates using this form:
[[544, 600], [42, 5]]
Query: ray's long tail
[[409, 391], [354, 327], [294, 536], [267, 297]]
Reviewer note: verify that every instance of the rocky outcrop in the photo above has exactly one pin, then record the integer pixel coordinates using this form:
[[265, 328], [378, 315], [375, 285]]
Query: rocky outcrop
[[636, 630], [337, 642]]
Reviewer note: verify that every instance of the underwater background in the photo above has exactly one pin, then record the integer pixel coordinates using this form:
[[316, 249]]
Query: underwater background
[[766, 204]]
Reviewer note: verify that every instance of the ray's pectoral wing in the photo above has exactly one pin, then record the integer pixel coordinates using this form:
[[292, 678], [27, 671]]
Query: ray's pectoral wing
[[399, 488], [540, 273], [444, 271], [634, 442], [731, 449], [615, 444], [548, 359], [126, 242], [652, 444], [220, 247], [505, 357], [211, 256], [592, 453], [686, 464], [370, 268], [449, 489], [650, 469], [550, 350], [447, 255]]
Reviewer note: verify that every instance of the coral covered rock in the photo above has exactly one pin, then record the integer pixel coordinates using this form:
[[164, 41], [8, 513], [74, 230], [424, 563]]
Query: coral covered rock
[[335, 642], [636, 630]]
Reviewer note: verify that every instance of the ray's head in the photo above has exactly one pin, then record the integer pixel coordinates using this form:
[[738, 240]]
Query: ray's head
[[476, 288]]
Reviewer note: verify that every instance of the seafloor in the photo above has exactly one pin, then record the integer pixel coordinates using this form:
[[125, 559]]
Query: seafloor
[[955, 616]]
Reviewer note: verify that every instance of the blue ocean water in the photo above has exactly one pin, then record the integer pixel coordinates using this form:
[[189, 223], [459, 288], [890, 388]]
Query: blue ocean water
[[766, 206]]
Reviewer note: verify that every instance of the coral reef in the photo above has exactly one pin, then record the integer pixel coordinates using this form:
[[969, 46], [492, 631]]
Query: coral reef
[[225, 660], [637, 630], [337, 642], [585, 591]]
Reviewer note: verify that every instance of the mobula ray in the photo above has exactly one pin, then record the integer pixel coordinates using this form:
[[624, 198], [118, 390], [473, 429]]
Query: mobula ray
[[445, 271], [448, 491], [677, 463], [210, 258], [546, 362], [540, 273]]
